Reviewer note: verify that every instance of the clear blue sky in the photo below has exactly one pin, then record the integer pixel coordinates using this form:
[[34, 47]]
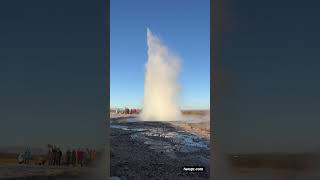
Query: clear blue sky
[[183, 26]]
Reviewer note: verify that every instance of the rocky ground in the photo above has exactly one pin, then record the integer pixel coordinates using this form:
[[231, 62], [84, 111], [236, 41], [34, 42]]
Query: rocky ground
[[157, 150]]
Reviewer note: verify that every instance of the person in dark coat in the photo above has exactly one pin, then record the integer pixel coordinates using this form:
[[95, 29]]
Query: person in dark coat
[[74, 157], [68, 153], [49, 155], [54, 156], [59, 156]]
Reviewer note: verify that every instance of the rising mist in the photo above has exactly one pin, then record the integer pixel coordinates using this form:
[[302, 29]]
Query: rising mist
[[161, 86]]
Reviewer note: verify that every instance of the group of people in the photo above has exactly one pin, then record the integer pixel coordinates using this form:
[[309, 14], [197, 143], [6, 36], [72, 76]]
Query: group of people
[[54, 156], [127, 111], [80, 156], [74, 157]]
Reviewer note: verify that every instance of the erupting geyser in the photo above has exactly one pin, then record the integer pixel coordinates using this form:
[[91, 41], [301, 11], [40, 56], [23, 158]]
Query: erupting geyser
[[161, 83]]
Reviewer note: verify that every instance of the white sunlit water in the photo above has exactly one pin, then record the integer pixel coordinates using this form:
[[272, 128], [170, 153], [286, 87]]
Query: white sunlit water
[[161, 85]]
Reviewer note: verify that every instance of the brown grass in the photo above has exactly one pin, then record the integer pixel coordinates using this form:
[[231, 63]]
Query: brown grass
[[195, 112], [11, 158]]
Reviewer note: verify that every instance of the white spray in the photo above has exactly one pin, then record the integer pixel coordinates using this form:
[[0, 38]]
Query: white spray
[[161, 83]]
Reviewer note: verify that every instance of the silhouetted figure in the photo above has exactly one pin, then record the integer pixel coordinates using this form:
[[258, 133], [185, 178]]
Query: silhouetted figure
[[68, 154], [59, 156], [80, 157], [74, 157], [27, 156], [54, 156], [88, 155], [84, 155], [126, 110], [93, 155], [50, 155]]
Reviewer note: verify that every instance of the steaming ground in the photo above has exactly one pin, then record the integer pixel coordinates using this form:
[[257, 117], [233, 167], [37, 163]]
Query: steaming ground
[[159, 150]]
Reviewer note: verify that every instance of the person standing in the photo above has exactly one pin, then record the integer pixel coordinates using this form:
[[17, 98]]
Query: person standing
[[78, 155], [59, 156], [88, 157], [81, 157], [84, 157], [68, 153], [27, 156], [91, 155], [25, 159], [49, 155], [74, 157], [94, 154], [54, 155]]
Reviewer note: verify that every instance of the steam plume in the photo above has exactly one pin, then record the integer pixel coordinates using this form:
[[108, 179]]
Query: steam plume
[[161, 83]]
